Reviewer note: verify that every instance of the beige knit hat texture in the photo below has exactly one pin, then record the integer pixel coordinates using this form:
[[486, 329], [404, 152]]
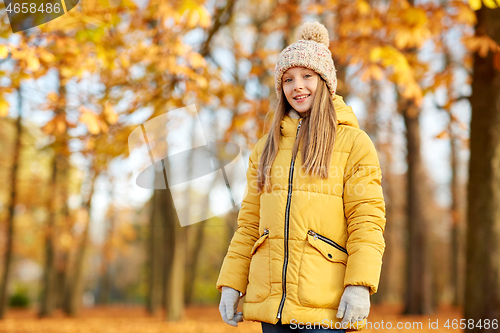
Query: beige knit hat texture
[[311, 51]]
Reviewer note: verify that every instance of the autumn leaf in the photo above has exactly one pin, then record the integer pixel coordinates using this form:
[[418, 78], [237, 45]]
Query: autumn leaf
[[477, 4], [90, 119], [196, 60], [464, 14], [4, 107], [443, 135], [372, 72], [481, 44], [109, 113], [413, 91], [202, 82], [4, 51], [53, 97], [55, 126], [204, 17], [33, 62], [363, 7], [490, 3], [46, 56]]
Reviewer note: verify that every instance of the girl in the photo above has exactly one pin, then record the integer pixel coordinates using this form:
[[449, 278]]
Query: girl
[[307, 253]]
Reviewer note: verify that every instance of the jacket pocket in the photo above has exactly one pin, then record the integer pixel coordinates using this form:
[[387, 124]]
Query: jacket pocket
[[322, 270], [326, 246], [259, 276]]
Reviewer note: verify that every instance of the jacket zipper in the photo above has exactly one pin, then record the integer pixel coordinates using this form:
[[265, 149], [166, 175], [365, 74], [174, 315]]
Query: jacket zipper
[[287, 215], [266, 231], [327, 240]]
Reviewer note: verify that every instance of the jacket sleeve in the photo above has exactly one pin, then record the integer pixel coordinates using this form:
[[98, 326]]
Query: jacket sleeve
[[235, 267], [364, 209]]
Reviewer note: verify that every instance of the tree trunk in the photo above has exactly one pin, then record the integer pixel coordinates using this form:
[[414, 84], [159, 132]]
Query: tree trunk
[[74, 293], [156, 252], [482, 291], [107, 254], [390, 272], [455, 271], [175, 256], [62, 264], [4, 287], [49, 289], [419, 262], [47, 303], [419, 277]]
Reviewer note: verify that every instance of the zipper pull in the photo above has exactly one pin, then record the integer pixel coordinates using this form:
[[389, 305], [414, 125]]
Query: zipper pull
[[312, 233]]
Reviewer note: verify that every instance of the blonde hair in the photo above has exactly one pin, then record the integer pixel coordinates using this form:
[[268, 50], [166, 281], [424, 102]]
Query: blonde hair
[[318, 132]]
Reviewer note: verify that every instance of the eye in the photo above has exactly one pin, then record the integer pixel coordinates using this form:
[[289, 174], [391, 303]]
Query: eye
[[307, 75]]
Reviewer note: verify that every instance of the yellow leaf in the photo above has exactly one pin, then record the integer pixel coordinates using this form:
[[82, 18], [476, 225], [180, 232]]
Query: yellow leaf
[[475, 4], [4, 51], [66, 71], [104, 126], [90, 119], [375, 54], [186, 5], [192, 19], [46, 56], [202, 82], [490, 3], [466, 15], [403, 37], [90, 144], [109, 113], [205, 19], [53, 97], [55, 126], [376, 72], [33, 62], [363, 7], [196, 60], [4, 107]]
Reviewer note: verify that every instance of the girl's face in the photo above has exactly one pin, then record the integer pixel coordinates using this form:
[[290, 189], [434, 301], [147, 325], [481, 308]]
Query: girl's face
[[300, 82]]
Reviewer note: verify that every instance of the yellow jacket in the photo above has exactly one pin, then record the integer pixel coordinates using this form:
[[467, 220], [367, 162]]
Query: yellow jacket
[[297, 248]]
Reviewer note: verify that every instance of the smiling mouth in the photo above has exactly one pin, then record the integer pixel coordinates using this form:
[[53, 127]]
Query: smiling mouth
[[302, 98]]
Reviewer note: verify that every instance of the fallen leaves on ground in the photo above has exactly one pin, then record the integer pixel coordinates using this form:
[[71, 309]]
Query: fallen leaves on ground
[[197, 319]]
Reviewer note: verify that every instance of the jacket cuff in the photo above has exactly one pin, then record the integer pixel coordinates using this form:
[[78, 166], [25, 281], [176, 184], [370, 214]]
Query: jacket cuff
[[363, 269]]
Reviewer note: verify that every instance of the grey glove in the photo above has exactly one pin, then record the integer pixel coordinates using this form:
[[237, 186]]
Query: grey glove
[[228, 306], [354, 304]]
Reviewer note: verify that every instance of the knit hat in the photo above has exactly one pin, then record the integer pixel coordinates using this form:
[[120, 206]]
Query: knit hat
[[311, 51]]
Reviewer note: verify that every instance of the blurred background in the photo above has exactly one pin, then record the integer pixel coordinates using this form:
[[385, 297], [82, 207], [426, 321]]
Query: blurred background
[[83, 248]]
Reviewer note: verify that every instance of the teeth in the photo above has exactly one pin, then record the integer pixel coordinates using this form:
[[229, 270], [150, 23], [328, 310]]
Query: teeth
[[302, 97]]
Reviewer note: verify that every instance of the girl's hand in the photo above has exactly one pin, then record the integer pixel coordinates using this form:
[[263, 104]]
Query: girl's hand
[[228, 306], [354, 304]]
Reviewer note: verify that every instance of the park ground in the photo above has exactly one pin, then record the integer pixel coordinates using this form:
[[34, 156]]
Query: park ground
[[128, 319]]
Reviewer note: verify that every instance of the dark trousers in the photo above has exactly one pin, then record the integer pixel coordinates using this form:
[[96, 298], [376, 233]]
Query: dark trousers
[[280, 328]]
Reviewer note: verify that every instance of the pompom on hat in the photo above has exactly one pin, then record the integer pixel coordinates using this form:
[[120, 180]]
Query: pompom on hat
[[311, 51]]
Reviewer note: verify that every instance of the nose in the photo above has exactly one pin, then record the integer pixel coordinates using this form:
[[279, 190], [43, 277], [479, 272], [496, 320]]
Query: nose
[[298, 85]]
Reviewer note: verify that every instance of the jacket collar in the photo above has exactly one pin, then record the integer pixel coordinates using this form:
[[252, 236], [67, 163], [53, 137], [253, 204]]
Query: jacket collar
[[345, 116]]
